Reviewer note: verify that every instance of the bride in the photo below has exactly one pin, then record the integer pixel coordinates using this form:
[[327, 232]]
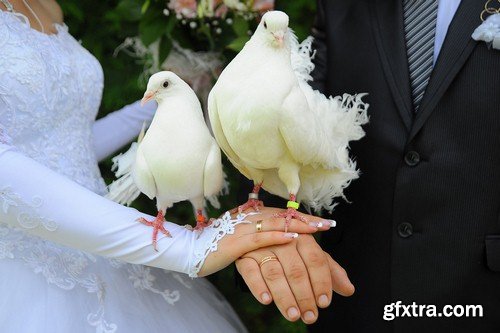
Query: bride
[[56, 229]]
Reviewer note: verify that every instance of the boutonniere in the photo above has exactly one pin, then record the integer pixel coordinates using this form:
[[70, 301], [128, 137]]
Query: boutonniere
[[489, 30]]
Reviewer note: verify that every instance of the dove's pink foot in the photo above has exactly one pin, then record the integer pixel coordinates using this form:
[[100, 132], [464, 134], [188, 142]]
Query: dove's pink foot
[[251, 203], [157, 225], [201, 221], [253, 200], [291, 213]]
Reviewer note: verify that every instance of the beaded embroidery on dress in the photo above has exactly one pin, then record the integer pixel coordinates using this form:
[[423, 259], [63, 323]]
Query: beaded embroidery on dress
[[50, 92]]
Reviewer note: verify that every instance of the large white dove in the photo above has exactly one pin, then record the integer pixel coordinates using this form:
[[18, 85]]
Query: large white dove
[[177, 159], [278, 131]]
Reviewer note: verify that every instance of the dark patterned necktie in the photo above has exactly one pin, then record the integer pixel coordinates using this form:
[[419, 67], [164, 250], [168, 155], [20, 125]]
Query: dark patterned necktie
[[420, 18]]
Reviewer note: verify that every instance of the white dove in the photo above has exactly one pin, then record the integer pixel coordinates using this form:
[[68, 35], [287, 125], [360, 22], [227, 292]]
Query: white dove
[[278, 131], [177, 160]]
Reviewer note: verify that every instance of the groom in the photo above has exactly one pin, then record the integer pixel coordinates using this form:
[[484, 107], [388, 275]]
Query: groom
[[422, 234]]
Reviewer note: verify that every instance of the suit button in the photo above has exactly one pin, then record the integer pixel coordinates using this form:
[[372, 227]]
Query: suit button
[[405, 230], [412, 158]]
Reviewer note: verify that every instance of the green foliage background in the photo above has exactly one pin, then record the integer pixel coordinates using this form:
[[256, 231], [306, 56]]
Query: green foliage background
[[102, 26]]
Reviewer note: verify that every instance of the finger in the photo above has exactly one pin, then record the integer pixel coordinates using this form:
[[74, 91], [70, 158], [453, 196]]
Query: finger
[[319, 271], [298, 280], [280, 290], [268, 213], [276, 224], [313, 221], [340, 281], [250, 271], [251, 242]]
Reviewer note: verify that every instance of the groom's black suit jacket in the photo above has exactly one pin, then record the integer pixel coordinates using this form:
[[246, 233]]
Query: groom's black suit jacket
[[423, 224]]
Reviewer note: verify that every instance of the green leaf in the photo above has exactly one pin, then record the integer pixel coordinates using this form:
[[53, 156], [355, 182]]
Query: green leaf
[[150, 31], [171, 24], [238, 43], [145, 6], [129, 10], [152, 26], [240, 26], [73, 10], [164, 48]]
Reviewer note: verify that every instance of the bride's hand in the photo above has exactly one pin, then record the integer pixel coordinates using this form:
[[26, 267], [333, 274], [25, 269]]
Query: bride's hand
[[246, 238]]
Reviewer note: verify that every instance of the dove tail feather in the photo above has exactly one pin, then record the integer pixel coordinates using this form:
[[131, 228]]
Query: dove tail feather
[[214, 199], [124, 190], [342, 118], [320, 187]]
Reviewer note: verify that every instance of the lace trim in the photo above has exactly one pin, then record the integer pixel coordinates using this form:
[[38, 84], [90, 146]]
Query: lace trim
[[144, 280], [210, 237], [28, 214]]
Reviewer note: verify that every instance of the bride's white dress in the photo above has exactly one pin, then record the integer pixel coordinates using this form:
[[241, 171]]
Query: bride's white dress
[[50, 92]]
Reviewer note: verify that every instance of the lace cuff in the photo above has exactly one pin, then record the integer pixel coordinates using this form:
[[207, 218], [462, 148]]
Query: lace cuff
[[208, 240]]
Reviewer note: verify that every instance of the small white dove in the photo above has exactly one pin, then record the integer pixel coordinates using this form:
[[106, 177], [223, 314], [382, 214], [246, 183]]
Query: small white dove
[[278, 131], [177, 159]]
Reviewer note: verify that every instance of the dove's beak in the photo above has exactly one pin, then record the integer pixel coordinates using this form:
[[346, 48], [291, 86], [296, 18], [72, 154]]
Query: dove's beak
[[148, 95], [279, 37]]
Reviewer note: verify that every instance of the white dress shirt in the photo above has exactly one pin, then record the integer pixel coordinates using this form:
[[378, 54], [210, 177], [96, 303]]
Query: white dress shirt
[[446, 12]]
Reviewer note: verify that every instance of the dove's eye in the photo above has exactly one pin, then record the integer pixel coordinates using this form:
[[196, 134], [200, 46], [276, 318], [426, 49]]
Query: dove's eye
[[165, 84], [265, 25]]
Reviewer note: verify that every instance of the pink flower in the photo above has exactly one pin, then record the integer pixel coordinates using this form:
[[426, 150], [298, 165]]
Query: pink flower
[[263, 6], [186, 8], [219, 8]]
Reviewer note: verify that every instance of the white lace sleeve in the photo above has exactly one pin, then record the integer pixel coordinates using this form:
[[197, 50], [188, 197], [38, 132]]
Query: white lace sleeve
[[46, 204], [209, 239], [118, 128]]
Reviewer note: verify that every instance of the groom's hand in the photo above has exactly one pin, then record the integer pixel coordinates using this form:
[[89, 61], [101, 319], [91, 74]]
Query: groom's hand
[[300, 281]]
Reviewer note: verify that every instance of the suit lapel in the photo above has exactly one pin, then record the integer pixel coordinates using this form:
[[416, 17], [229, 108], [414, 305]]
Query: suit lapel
[[387, 22], [456, 49]]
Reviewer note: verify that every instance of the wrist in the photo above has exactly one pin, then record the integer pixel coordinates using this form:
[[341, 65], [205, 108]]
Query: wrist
[[207, 241]]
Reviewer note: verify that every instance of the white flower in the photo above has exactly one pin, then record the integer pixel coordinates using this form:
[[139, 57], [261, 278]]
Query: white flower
[[489, 31], [496, 42], [235, 4]]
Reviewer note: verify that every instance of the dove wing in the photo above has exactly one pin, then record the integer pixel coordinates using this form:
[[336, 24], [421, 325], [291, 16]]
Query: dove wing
[[221, 138], [300, 128], [213, 176], [143, 177]]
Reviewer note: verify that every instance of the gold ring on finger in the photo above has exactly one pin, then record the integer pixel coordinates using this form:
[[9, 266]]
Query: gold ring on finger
[[267, 259], [258, 225]]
